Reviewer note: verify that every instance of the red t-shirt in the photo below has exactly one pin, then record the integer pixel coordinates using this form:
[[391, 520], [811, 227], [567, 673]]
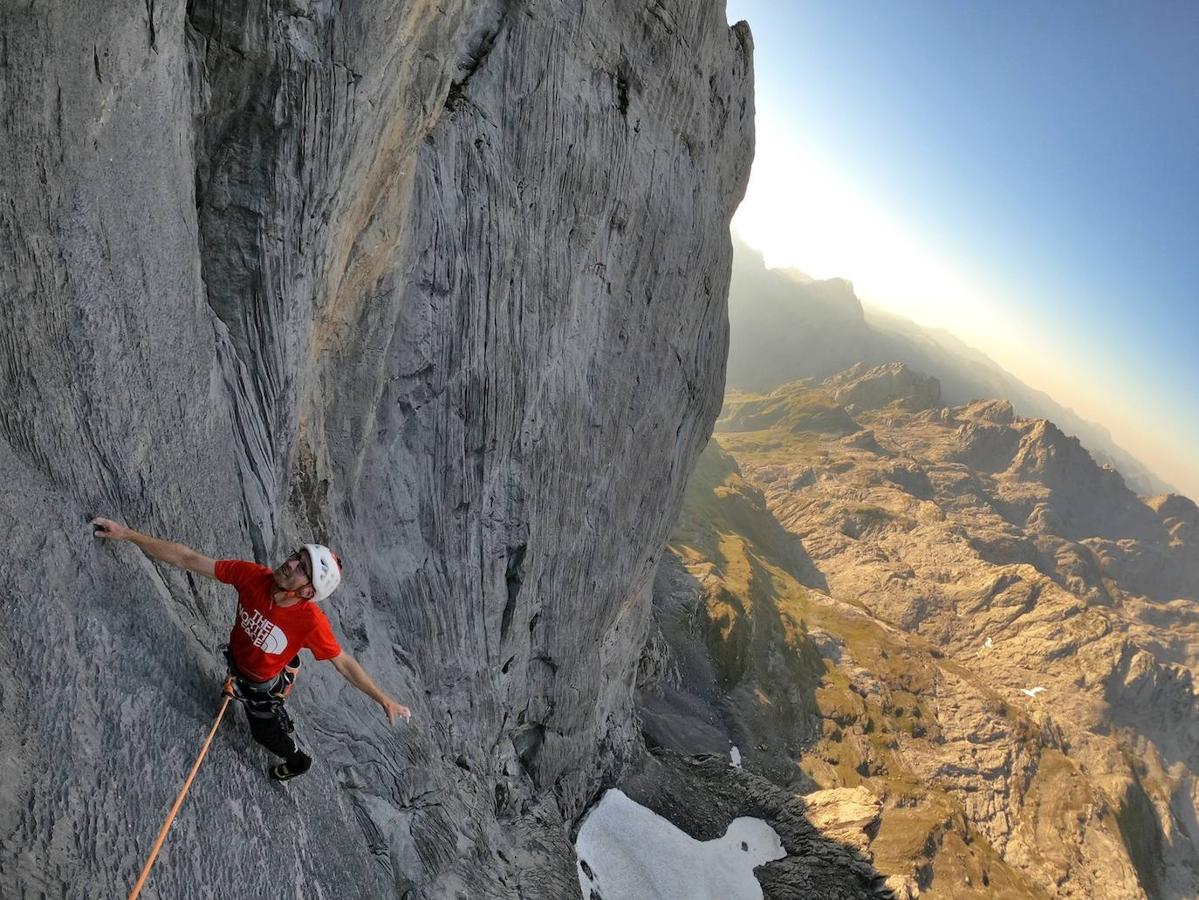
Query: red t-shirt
[[265, 635]]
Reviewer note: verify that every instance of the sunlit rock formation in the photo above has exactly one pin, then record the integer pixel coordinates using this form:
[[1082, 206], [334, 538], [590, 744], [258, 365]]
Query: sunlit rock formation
[[956, 610]]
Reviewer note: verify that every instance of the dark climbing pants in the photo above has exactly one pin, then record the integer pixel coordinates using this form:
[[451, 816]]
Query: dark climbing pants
[[269, 722]]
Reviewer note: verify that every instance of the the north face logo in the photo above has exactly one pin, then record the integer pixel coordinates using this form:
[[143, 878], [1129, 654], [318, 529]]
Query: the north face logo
[[262, 632]]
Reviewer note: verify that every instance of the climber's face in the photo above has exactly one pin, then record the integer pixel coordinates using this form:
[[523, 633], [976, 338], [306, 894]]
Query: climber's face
[[294, 575]]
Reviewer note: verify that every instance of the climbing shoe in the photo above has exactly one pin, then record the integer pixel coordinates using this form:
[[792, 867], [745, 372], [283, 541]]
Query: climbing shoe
[[297, 764]]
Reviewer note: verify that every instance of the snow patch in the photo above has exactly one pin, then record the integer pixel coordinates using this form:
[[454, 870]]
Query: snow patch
[[627, 852], [735, 756]]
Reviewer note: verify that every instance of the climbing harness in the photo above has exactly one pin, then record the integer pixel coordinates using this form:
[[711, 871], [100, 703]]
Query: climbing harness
[[162, 833], [248, 691]]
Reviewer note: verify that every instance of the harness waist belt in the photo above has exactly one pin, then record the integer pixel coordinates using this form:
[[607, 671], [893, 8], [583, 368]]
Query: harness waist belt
[[245, 679]]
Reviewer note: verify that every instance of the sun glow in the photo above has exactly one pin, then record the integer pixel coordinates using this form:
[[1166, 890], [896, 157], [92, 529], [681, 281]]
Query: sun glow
[[800, 212]]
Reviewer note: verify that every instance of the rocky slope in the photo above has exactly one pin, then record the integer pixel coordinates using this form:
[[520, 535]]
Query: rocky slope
[[953, 612], [417, 279]]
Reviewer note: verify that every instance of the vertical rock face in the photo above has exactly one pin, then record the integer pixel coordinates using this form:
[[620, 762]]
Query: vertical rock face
[[441, 284]]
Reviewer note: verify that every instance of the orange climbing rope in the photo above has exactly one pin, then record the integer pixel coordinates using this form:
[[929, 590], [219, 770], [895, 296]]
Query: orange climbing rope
[[166, 826]]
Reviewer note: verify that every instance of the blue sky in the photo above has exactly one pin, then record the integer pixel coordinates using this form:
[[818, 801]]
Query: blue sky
[[1023, 174]]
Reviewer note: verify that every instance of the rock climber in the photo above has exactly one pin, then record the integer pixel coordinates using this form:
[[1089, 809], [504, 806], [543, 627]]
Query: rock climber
[[277, 616]]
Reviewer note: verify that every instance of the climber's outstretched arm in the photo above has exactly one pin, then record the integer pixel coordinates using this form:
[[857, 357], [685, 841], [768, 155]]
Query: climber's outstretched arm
[[156, 548], [353, 672]]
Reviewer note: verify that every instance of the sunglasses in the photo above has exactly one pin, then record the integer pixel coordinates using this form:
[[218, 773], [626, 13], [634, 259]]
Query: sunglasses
[[301, 556]]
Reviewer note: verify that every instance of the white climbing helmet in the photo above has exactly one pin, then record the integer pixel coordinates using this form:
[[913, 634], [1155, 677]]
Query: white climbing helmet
[[326, 570]]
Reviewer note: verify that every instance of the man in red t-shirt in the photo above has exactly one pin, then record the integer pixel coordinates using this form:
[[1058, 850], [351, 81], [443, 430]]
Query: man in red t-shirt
[[277, 616]]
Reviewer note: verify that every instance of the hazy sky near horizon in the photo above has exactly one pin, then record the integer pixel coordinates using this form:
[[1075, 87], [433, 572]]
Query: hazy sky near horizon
[[1025, 175]]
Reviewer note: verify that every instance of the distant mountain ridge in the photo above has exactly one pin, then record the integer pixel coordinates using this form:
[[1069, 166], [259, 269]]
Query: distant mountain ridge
[[786, 326]]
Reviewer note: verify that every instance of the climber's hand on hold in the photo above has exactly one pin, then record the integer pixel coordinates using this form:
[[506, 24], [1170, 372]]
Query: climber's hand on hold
[[107, 528], [395, 710]]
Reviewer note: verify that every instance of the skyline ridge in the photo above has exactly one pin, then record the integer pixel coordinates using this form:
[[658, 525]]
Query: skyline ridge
[[1032, 401]]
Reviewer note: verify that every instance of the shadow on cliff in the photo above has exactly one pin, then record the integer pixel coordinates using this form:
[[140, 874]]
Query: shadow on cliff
[[729, 667], [728, 676]]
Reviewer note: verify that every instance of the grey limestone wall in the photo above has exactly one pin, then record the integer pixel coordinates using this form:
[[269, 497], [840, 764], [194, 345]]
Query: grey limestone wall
[[442, 284]]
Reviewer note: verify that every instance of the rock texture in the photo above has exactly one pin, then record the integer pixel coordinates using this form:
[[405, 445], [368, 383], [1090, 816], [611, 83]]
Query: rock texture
[[1005, 639], [439, 283]]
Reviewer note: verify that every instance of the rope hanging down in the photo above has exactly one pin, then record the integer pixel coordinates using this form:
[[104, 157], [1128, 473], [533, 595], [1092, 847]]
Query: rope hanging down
[[166, 826]]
